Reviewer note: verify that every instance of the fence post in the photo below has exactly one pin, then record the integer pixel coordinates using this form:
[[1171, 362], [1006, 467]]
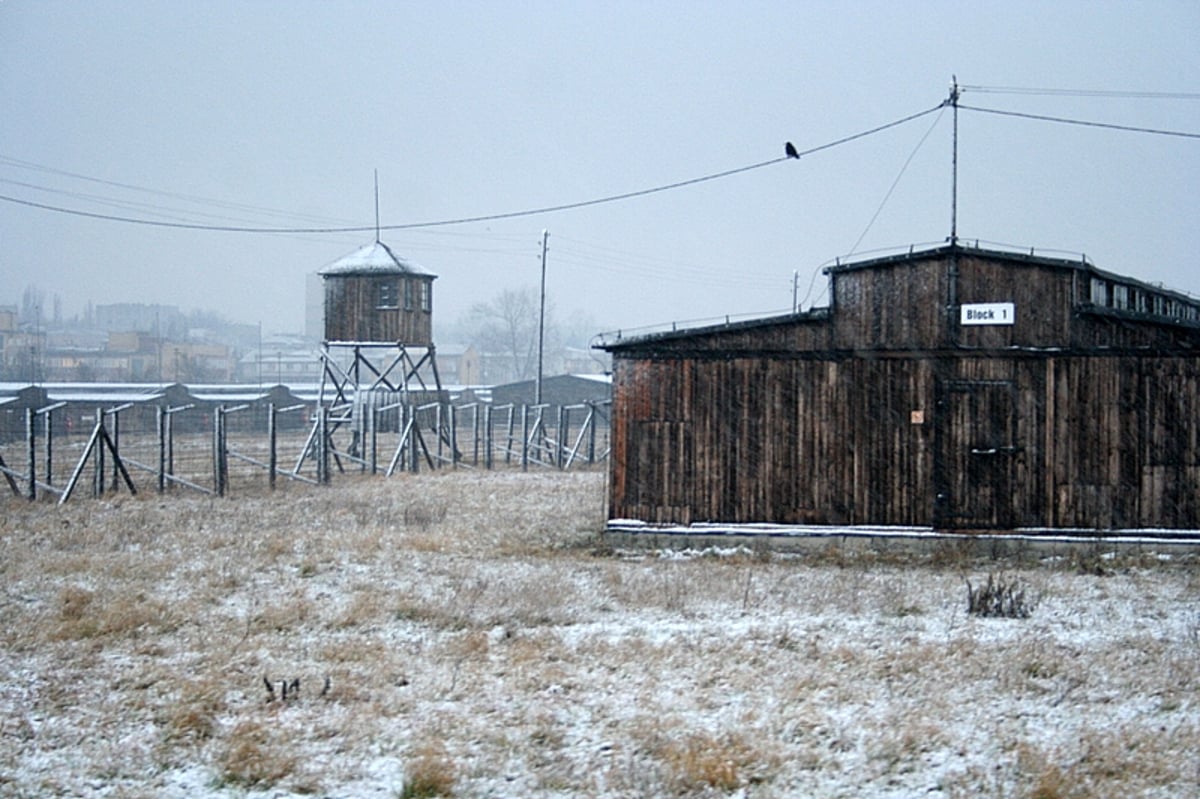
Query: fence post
[[524, 438], [98, 481], [48, 430], [323, 445], [374, 425], [438, 422], [160, 424], [225, 445], [487, 432], [116, 443], [564, 417], [272, 458], [453, 435], [31, 449], [475, 435], [170, 443], [216, 446], [512, 413], [218, 451], [414, 433], [591, 417], [405, 441]]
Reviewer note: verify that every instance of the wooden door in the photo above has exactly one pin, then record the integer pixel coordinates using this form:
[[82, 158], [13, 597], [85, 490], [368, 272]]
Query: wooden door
[[977, 452]]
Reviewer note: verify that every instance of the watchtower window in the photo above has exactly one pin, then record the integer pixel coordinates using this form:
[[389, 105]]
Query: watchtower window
[[386, 294], [426, 296], [408, 295]]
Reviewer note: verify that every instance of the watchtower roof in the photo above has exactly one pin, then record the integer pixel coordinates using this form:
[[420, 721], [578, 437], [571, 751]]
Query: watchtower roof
[[374, 259]]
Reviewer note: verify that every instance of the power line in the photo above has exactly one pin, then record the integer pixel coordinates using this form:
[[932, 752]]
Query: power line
[[596, 257], [469, 219], [191, 198], [895, 183], [1085, 123], [1082, 93], [909, 118], [586, 203], [692, 276], [362, 228], [127, 205], [407, 226]]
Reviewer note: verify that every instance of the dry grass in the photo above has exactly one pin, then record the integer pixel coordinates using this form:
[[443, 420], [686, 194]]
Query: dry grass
[[430, 773], [702, 760], [478, 641], [255, 755]]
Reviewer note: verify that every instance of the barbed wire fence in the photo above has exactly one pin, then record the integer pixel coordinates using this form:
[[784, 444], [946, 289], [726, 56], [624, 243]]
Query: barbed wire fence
[[67, 450]]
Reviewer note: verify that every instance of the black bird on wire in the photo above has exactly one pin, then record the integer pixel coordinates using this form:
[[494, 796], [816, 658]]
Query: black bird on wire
[[789, 150]]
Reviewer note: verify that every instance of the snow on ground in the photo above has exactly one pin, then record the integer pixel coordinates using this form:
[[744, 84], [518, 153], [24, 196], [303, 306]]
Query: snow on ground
[[481, 640]]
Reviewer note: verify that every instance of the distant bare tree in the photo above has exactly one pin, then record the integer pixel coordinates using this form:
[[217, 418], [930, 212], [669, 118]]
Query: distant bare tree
[[33, 301], [507, 325]]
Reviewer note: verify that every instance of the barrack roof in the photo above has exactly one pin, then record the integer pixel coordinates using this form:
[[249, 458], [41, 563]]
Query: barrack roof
[[1177, 307]]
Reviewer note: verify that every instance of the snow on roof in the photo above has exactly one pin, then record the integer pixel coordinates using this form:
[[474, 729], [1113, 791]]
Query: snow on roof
[[375, 258], [601, 378], [130, 388], [131, 392], [101, 397], [249, 395]]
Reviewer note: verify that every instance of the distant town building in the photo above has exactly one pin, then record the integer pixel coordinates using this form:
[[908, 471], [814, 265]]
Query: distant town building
[[280, 364], [314, 306], [22, 355], [157, 319], [459, 365]]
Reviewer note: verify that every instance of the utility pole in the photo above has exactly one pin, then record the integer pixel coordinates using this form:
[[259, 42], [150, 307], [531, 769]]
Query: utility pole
[[954, 92], [541, 321], [260, 373], [33, 350], [952, 270], [161, 376]]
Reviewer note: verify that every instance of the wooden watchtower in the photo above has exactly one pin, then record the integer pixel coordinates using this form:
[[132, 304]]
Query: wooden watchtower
[[373, 296], [378, 350]]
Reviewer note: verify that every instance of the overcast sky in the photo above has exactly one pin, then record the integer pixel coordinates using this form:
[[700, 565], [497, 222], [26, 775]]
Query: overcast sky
[[277, 114]]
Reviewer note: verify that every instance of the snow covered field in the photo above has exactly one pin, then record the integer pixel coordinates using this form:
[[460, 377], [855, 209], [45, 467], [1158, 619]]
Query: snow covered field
[[479, 639]]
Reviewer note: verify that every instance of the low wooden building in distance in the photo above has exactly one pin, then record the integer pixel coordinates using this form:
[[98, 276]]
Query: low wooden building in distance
[[371, 295], [557, 391], [953, 388]]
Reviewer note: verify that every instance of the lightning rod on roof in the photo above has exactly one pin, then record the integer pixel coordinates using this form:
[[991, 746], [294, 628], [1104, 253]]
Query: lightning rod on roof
[[376, 206]]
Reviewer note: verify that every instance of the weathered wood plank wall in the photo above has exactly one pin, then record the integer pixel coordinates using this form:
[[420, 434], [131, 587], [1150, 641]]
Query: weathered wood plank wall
[[1097, 442], [352, 312], [886, 410]]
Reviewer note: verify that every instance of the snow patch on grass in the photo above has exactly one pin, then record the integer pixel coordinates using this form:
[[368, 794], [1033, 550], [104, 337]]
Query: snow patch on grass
[[479, 639]]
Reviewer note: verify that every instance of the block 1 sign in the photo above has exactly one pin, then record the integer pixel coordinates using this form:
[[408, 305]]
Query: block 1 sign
[[989, 313]]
